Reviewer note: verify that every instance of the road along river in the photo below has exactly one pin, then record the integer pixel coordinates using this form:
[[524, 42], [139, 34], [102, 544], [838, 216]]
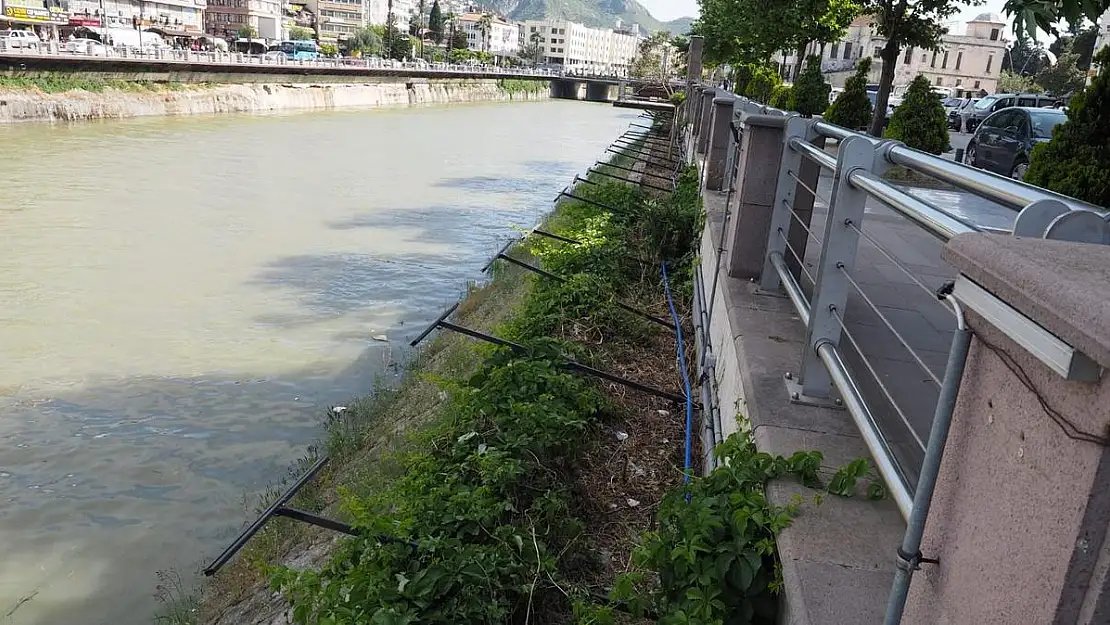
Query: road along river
[[182, 298]]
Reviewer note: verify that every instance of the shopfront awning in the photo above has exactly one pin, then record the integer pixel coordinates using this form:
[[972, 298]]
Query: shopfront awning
[[170, 32], [34, 15]]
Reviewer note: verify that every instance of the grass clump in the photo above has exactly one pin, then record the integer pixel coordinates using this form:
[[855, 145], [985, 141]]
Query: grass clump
[[76, 81], [519, 85]]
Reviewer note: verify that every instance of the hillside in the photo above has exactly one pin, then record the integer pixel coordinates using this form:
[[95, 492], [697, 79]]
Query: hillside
[[597, 13], [681, 26]]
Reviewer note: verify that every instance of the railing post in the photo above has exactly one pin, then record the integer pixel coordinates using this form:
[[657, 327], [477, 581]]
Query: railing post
[[796, 128], [720, 138], [838, 255]]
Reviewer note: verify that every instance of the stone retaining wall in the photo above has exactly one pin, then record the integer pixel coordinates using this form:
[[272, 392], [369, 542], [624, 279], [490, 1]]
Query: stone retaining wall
[[33, 105]]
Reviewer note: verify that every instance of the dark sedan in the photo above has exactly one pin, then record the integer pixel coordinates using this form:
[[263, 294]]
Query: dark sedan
[[1003, 141]]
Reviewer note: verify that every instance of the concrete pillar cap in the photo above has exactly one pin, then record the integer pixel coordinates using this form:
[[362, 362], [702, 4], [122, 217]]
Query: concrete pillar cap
[[725, 98]]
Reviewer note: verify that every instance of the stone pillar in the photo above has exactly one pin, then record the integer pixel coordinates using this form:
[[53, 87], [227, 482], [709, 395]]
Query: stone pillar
[[705, 119], [720, 133], [754, 195], [694, 59], [1021, 509], [693, 102], [810, 174]]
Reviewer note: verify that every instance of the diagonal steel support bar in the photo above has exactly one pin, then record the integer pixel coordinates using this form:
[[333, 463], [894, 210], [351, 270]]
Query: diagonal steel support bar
[[547, 274], [641, 183], [643, 159], [629, 169], [589, 201], [568, 364], [252, 529]]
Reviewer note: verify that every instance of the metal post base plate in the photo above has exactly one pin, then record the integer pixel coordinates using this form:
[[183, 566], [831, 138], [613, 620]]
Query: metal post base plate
[[794, 391]]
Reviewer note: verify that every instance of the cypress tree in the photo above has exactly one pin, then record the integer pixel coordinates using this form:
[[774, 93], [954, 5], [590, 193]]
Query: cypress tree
[[852, 108], [920, 121], [435, 22], [810, 95], [1076, 161]]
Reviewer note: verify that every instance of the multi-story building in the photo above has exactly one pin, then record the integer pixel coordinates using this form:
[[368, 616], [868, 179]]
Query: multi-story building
[[968, 59], [503, 38], [185, 16], [227, 18], [337, 20], [583, 49]]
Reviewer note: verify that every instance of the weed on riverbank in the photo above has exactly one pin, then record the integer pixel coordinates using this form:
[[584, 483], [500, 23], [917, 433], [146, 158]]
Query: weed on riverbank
[[63, 82]]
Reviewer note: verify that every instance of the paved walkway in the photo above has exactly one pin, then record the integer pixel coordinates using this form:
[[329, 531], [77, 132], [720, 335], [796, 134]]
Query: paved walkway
[[924, 321]]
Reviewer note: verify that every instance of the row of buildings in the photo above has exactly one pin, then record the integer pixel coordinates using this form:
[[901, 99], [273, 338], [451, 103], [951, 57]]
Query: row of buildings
[[556, 42], [967, 62]]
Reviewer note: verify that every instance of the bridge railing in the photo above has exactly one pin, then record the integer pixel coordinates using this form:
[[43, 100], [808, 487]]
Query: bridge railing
[[55, 50], [888, 322]]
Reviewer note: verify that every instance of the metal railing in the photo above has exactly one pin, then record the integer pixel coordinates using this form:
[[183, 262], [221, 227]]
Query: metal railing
[[863, 235], [56, 50]]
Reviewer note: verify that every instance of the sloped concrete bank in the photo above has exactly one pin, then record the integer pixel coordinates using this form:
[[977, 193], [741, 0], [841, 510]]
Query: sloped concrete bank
[[34, 105]]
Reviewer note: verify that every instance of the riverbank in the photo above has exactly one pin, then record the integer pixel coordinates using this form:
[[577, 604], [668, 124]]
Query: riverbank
[[78, 97], [567, 468]]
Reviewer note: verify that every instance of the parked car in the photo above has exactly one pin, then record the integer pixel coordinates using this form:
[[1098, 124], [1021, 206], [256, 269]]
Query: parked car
[[90, 47], [960, 113], [20, 40], [1003, 141], [992, 103]]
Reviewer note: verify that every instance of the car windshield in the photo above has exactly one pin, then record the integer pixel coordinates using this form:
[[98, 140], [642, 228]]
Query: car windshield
[[952, 102], [986, 103], [1045, 121]]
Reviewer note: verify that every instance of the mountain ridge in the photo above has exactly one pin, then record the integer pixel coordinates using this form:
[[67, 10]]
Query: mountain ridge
[[595, 13]]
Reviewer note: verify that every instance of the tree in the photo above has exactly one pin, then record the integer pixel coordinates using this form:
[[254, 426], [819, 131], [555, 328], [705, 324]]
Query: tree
[[246, 31], [532, 49], [781, 97], [400, 44], [811, 92], [365, 41], [806, 21], [920, 121], [1078, 40], [764, 80], [914, 23], [459, 40], [1029, 15], [300, 33], [329, 49], [1024, 57], [649, 61], [1009, 82], [852, 108], [435, 23], [1076, 161], [485, 26], [1064, 77]]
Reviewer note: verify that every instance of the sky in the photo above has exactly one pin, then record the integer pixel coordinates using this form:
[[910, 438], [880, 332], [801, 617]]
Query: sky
[[666, 10]]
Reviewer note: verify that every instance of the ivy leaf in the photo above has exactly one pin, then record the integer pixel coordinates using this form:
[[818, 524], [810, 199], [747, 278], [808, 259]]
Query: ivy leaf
[[402, 581]]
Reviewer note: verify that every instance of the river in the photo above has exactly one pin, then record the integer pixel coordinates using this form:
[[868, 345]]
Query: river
[[181, 299]]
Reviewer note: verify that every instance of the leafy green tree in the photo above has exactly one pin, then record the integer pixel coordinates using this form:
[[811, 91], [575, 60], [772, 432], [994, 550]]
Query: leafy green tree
[[904, 23], [532, 50], [1029, 15], [435, 23], [1024, 57], [920, 121], [365, 41], [1076, 161], [764, 80], [329, 49], [246, 31], [300, 33], [811, 92], [781, 96], [741, 76], [1009, 82], [485, 27], [852, 108], [1064, 77], [458, 38], [399, 43]]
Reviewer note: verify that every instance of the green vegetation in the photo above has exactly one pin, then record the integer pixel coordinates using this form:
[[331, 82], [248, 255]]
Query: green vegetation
[[366, 40], [436, 23], [1009, 82], [852, 108], [300, 33], [811, 92], [920, 121], [763, 82], [502, 485], [517, 85], [63, 82], [1076, 161], [781, 97]]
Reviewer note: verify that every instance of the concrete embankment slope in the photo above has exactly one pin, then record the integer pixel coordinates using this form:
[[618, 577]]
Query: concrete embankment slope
[[123, 100]]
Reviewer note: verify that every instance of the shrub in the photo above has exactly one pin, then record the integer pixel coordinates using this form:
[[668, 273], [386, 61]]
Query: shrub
[[852, 108], [742, 75], [811, 92], [920, 121], [763, 82], [781, 97], [1076, 161]]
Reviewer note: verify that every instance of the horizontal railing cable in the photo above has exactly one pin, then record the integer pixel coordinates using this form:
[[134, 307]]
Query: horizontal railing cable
[[878, 379], [888, 324], [806, 187], [894, 261], [798, 218], [794, 253]]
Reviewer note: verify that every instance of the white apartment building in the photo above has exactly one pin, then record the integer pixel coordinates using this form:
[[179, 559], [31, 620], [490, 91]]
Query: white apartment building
[[583, 49], [503, 37], [171, 15], [337, 20], [224, 18], [968, 60]]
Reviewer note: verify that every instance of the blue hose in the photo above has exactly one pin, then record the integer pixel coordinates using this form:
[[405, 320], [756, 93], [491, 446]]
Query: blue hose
[[681, 349]]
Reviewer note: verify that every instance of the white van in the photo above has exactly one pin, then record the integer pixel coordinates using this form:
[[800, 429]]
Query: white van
[[19, 40]]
